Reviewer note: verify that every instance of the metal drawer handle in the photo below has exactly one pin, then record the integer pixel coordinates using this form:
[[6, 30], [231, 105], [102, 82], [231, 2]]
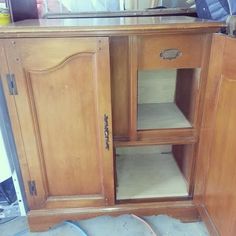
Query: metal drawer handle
[[170, 54]]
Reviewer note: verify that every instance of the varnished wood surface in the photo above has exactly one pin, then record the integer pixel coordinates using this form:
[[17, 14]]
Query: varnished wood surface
[[220, 193], [133, 84], [151, 47], [187, 92], [40, 220], [207, 221], [185, 156], [4, 69], [202, 147], [119, 59], [31, 61], [108, 26], [61, 103]]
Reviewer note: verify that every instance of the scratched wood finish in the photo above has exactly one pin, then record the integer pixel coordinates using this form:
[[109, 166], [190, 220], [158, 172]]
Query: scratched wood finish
[[220, 193], [61, 102]]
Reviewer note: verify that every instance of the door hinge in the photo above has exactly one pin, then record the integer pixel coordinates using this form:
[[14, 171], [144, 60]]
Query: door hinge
[[32, 188], [11, 81]]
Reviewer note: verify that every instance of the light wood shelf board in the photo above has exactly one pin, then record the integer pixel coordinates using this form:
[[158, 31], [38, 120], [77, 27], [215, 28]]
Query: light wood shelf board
[[160, 116], [150, 175]]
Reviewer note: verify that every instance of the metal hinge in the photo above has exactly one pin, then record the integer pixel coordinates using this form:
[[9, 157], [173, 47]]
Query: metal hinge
[[11, 81], [32, 188]]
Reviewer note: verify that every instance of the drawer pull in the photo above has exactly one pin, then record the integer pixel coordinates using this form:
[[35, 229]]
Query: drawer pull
[[170, 54]]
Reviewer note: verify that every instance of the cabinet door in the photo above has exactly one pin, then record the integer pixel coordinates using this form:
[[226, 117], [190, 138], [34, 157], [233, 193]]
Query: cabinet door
[[63, 109], [220, 122]]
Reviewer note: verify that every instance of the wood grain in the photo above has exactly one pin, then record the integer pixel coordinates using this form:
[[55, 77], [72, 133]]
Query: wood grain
[[184, 156], [109, 27], [40, 220], [119, 48], [204, 121], [61, 106], [220, 192], [207, 220], [133, 77], [64, 91], [150, 48], [187, 93], [186, 135], [4, 69]]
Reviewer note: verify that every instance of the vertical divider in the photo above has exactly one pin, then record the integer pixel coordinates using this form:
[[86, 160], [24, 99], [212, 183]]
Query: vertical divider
[[133, 74]]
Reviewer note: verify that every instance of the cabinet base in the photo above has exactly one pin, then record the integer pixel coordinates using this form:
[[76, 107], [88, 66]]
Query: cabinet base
[[208, 221], [42, 220]]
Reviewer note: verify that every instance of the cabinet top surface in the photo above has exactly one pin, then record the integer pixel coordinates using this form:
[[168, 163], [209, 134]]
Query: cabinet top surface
[[108, 26]]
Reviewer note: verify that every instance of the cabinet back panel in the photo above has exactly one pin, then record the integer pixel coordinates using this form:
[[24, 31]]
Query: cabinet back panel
[[156, 86]]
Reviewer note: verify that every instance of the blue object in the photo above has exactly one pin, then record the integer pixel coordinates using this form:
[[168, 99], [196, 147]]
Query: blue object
[[77, 227], [215, 9]]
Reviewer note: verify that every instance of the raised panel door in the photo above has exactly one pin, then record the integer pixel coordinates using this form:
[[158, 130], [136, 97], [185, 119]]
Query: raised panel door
[[63, 108]]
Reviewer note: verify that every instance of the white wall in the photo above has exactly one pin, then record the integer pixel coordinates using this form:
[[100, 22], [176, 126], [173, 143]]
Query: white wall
[[5, 170]]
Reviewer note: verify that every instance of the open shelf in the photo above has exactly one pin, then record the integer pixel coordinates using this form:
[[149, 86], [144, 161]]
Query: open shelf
[[161, 115], [167, 98], [149, 172]]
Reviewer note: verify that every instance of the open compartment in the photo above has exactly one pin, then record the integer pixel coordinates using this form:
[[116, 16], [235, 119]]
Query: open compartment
[[157, 171], [167, 98]]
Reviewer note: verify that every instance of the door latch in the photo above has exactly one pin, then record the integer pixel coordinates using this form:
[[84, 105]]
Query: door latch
[[106, 132]]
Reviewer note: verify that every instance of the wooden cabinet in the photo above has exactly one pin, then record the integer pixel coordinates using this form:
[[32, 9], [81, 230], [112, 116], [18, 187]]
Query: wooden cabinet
[[62, 100], [166, 147]]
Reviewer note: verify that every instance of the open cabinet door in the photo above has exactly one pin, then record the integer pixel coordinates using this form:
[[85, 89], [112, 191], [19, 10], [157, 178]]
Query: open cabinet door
[[220, 118]]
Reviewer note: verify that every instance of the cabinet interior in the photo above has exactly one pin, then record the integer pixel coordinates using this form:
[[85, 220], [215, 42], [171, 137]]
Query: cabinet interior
[[157, 171], [166, 98]]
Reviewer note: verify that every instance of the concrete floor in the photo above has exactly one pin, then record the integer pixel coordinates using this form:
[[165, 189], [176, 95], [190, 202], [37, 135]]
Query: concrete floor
[[125, 225]]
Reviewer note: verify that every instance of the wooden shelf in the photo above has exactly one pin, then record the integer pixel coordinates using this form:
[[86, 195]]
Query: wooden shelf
[[160, 116], [151, 175]]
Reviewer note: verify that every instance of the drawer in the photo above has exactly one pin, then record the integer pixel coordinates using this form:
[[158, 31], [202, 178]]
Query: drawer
[[170, 51]]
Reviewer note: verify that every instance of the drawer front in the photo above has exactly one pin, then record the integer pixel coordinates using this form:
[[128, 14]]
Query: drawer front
[[172, 51]]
